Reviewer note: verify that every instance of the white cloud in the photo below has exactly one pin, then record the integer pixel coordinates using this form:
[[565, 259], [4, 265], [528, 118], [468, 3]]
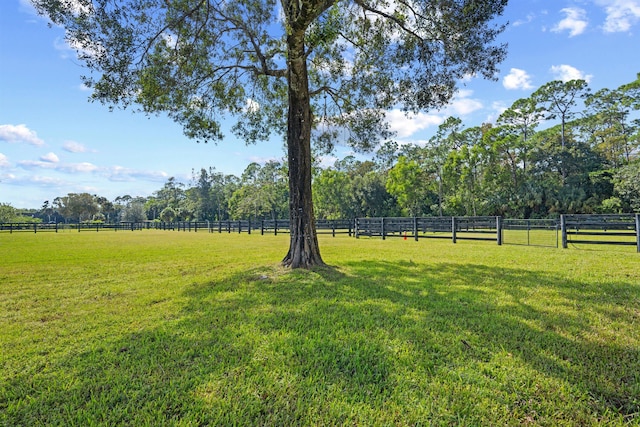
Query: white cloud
[[83, 167], [113, 173], [19, 133], [405, 125], [327, 161], [47, 181], [50, 157], [70, 47], [35, 164], [251, 106], [529, 18], [497, 108], [4, 161], [462, 104], [517, 79], [621, 14], [567, 72], [122, 174], [74, 147], [575, 21], [261, 160]]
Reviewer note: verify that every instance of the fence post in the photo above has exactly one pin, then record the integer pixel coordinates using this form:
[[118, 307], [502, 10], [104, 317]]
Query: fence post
[[454, 227], [499, 228], [415, 228], [275, 227], [356, 231], [249, 229], [563, 231], [638, 232], [382, 229], [35, 229]]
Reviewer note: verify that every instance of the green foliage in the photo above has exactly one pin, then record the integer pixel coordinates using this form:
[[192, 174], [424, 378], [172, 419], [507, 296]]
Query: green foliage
[[407, 182], [77, 206], [147, 328], [627, 185], [134, 212], [8, 213], [262, 193], [332, 195], [168, 214]]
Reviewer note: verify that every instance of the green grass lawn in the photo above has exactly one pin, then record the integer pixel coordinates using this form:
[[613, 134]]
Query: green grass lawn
[[169, 328]]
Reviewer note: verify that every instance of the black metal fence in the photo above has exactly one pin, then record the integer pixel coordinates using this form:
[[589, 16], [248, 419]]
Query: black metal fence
[[623, 229]]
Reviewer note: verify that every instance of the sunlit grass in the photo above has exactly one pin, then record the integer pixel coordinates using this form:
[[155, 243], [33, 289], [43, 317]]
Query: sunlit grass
[[136, 328]]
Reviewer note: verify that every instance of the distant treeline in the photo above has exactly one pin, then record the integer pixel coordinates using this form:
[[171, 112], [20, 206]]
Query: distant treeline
[[586, 161]]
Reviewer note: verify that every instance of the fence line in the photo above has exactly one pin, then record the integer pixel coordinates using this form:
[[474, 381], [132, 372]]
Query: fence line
[[622, 229], [455, 228]]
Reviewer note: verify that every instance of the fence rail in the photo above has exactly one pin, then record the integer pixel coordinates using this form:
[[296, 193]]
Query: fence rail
[[623, 229], [12, 227], [454, 228]]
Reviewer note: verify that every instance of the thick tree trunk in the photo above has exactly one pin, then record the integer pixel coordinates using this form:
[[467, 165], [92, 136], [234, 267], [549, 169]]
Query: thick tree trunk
[[304, 251]]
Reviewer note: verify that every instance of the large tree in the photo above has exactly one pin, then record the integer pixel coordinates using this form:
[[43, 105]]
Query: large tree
[[282, 66]]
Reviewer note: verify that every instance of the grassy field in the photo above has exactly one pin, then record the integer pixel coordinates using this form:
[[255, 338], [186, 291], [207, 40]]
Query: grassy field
[[168, 328]]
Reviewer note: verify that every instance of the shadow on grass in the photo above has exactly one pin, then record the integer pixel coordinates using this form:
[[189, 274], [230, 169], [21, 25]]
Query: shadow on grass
[[371, 343]]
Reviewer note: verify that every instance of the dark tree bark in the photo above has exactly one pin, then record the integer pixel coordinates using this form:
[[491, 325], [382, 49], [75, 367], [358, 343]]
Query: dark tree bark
[[304, 251]]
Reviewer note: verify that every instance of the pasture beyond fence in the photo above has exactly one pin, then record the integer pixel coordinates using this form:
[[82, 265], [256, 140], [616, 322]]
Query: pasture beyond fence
[[623, 229]]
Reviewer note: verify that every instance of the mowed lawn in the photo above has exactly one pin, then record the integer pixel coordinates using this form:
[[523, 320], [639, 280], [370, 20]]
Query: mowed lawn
[[179, 328]]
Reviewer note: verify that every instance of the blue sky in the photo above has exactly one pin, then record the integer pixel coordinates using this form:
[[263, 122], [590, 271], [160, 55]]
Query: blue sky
[[53, 141]]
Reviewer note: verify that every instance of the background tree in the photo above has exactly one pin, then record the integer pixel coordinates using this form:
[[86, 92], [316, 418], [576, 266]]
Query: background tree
[[168, 214], [627, 186], [262, 194], [8, 213], [77, 206], [134, 211], [331, 194], [406, 182], [559, 98], [521, 119], [272, 65], [47, 210], [463, 170], [171, 195], [612, 132], [440, 146]]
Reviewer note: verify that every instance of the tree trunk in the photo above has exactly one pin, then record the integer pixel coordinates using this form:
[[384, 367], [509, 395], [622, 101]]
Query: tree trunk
[[304, 251]]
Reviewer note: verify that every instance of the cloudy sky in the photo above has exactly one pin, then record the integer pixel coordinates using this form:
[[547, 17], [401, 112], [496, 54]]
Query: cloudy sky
[[54, 142]]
